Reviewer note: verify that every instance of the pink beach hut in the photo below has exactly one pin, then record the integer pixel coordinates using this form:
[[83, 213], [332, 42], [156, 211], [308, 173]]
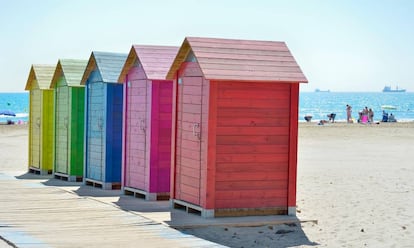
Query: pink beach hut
[[235, 126], [147, 122]]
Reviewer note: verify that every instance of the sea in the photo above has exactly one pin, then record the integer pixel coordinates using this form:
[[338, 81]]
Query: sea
[[320, 104], [18, 103], [316, 104]]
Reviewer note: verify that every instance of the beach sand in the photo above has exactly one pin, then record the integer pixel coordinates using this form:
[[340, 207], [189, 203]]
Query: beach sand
[[355, 180]]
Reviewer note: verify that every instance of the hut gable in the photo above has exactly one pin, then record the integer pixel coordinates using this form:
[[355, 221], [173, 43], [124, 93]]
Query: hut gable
[[241, 60], [155, 60], [109, 66], [42, 74], [71, 69]]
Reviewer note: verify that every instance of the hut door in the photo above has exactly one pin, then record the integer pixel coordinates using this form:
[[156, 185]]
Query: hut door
[[96, 122], [189, 114], [137, 131], [61, 133], [35, 117]]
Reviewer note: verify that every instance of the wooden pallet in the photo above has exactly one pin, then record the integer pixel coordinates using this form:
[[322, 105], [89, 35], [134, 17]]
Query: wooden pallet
[[227, 212], [145, 195], [102, 185], [233, 212], [38, 171], [187, 207], [66, 177]]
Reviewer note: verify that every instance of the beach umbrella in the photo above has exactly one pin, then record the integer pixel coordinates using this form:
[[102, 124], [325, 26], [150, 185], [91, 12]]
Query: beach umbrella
[[7, 112]]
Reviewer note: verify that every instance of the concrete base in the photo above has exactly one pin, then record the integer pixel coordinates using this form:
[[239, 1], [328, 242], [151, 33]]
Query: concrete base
[[292, 211]]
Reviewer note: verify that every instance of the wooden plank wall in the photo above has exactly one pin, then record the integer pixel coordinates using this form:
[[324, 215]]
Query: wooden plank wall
[[188, 146], [95, 137], [136, 138], [113, 131], [161, 118], [35, 117], [252, 142], [47, 142], [77, 122], [61, 127]]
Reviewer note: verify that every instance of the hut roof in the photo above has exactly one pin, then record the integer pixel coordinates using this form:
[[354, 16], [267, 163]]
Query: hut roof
[[155, 60], [42, 74], [241, 60], [108, 64], [71, 69]]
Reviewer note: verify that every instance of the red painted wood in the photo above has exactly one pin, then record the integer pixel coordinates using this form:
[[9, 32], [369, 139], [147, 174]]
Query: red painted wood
[[232, 112], [243, 156], [252, 185], [249, 130], [258, 139], [252, 149], [251, 194], [251, 176], [274, 167], [212, 132], [250, 158], [293, 145], [252, 203]]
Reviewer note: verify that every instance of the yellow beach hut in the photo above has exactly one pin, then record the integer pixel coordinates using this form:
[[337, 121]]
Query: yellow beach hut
[[40, 119]]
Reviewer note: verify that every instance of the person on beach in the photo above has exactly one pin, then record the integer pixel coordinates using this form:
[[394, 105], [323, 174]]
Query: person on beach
[[371, 115], [384, 116], [348, 113], [391, 118]]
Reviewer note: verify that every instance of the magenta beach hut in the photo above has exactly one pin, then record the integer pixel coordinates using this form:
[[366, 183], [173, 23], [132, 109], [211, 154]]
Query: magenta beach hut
[[103, 120], [147, 122]]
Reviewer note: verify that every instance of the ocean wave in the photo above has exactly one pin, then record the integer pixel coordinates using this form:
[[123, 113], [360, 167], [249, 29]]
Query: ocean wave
[[22, 114], [18, 115]]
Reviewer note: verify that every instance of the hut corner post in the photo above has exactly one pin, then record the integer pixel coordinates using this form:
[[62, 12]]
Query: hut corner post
[[124, 133], [85, 134], [293, 148], [173, 139]]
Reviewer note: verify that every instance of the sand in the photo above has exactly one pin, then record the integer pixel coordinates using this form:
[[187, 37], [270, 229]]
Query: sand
[[356, 180]]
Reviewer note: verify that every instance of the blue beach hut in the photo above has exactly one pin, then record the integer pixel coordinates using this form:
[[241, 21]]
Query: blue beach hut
[[103, 120]]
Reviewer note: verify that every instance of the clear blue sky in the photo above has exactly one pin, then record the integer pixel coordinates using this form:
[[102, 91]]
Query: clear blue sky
[[340, 45]]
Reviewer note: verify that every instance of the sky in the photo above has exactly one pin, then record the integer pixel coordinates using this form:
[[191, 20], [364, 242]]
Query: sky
[[343, 46]]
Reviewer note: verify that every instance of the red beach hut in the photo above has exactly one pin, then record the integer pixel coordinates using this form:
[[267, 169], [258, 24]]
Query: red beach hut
[[147, 121], [235, 122]]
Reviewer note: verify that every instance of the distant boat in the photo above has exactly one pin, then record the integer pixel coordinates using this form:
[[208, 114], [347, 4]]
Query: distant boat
[[319, 90], [388, 107], [388, 89]]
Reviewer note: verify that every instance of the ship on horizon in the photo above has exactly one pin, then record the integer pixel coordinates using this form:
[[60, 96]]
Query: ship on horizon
[[389, 89], [319, 90]]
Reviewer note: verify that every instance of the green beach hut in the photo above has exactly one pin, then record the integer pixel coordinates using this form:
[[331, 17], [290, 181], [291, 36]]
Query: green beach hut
[[68, 119], [40, 119]]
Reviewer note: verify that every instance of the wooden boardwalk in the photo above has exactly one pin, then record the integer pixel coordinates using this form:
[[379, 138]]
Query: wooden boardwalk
[[33, 214]]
